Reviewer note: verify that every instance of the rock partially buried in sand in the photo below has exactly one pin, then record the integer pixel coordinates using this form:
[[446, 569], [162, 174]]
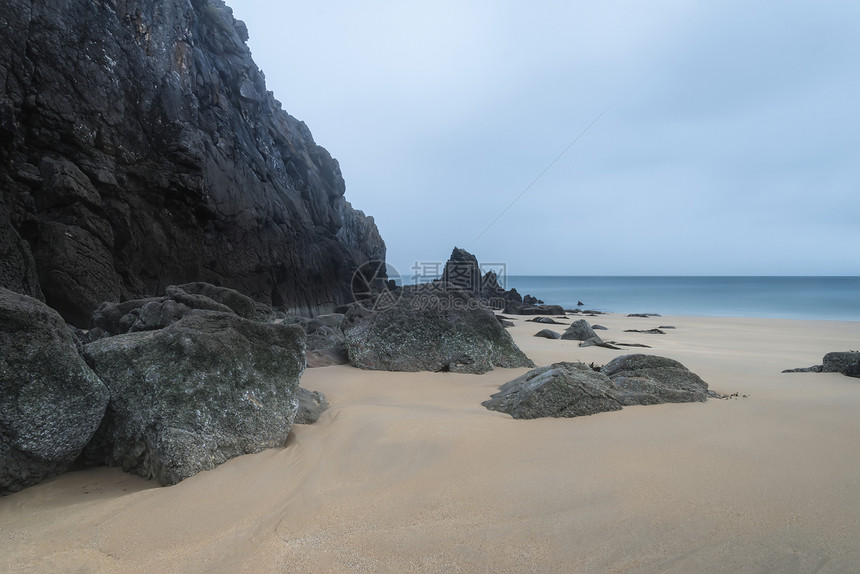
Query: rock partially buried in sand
[[649, 379], [312, 404], [51, 402], [432, 327], [559, 390], [187, 398], [579, 330], [574, 389], [845, 362], [548, 334]]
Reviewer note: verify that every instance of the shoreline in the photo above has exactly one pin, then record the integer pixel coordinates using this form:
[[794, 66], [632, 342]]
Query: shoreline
[[409, 471]]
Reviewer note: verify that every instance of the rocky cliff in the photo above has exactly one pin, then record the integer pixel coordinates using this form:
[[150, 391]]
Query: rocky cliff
[[139, 148]]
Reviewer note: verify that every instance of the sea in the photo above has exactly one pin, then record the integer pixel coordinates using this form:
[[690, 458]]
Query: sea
[[824, 298]]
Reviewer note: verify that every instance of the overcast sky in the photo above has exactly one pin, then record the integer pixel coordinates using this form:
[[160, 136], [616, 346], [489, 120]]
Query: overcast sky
[[729, 140]]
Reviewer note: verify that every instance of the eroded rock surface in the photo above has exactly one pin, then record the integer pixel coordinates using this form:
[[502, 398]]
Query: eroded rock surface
[[139, 148]]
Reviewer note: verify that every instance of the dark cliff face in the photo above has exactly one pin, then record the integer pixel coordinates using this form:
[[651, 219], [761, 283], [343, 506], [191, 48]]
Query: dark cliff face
[[139, 148]]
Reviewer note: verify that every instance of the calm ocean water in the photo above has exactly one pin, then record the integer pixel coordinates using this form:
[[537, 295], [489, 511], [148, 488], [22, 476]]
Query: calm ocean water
[[830, 298]]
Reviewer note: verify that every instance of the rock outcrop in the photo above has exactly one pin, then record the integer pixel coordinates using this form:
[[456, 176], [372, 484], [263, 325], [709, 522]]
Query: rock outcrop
[[431, 327], [139, 148], [188, 397], [51, 402]]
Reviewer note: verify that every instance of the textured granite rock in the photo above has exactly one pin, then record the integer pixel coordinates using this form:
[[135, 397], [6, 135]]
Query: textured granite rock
[[139, 148], [559, 390], [429, 327], [51, 402], [188, 397], [649, 379]]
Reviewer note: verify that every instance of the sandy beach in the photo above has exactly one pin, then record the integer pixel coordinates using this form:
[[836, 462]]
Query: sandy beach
[[407, 472]]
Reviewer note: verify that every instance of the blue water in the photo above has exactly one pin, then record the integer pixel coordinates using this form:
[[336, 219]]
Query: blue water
[[829, 298]]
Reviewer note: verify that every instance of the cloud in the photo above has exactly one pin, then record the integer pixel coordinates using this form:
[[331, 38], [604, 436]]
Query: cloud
[[729, 145]]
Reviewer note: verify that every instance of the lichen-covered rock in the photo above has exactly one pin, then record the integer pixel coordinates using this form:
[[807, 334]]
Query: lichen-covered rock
[[51, 402], [430, 327], [559, 390], [188, 397], [139, 148], [579, 330], [649, 379]]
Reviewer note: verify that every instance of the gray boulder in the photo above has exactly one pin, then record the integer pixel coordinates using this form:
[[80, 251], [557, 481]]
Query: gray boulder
[[579, 331], [649, 379], [188, 397], [312, 404], [548, 334], [430, 327], [52, 403], [559, 390]]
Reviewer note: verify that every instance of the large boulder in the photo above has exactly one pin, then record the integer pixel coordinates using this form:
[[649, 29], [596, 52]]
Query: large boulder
[[649, 379], [559, 390], [188, 397], [51, 402], [579, 330], [431, 327]]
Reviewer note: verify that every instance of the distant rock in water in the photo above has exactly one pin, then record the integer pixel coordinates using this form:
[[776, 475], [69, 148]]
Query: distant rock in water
[[429, 327], [139, 148], [51, 402]]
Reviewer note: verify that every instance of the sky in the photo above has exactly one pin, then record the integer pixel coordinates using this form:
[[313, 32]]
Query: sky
[[585, 138]]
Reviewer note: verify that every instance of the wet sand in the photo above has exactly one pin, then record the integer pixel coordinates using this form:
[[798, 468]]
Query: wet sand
[[407, 472]]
